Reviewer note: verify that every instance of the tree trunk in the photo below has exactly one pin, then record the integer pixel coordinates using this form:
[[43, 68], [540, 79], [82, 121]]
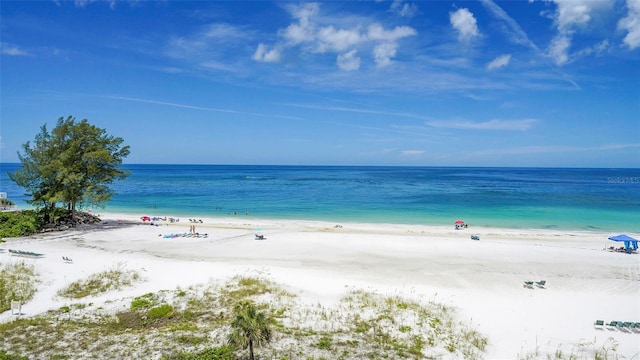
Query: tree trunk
[[251, 349]]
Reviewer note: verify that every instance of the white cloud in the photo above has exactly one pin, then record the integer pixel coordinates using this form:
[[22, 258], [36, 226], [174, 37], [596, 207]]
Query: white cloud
[[349, 61], [631, 24], [12, 50], [311, 33], [499, 62], [412, 152], [303, 30], [264, 55], [377, 32], [330, 39], [570, 17], [572, 13], [465, 23], [403, 9], [383, 53], [559, 49], [495, 124]]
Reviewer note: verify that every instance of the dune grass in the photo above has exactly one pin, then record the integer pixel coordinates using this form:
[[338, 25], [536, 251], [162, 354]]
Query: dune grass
[[194, 323], [17, 283], [111, 279]]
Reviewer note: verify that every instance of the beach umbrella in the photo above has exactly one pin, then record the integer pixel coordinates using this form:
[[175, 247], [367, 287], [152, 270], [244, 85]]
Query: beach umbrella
[[145, 218], [629, 242], [459, 222]]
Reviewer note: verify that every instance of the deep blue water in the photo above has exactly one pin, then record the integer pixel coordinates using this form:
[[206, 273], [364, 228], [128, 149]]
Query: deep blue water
[[588, 199]]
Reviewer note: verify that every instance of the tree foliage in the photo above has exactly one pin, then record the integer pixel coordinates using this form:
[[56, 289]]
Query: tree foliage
[[249, 327], [74, 164]]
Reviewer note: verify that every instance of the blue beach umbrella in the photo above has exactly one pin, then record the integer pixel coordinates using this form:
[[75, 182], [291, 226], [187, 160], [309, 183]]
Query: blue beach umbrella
[[629, 242]]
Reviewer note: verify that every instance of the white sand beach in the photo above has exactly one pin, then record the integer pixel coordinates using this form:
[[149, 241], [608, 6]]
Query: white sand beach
[[320, 261]]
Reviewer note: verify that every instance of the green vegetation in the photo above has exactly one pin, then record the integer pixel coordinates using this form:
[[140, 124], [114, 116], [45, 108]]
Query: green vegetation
[[15, 224], [218, 353], [143, 302], [17, 283], [249, 327], [199, 322], [74, 164], [112, 279], [160, 312], [582, 350], [6, 356]]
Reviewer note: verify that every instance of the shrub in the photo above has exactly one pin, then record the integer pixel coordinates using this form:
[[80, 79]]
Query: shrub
[[141, 302], [162, 311], [16, 224], [324, 343]]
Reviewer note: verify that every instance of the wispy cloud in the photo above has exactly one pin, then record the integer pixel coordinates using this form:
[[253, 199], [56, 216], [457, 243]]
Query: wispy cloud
[[195, 107], [216, 43], [499, 62], [553, 149], [570, 17], [404, 9], [495, 124], [513, 30], [412, 153], [12, 50]]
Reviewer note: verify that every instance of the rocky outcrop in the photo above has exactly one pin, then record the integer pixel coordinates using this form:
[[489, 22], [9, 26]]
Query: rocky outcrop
[[71, 220]]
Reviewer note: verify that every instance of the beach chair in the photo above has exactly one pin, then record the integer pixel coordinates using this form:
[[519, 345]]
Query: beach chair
[[627, 325], [16, 305], [528, 284], [612, 324], [260, 237], [475, 237], [599, 324], [541, 283], [67, 260]]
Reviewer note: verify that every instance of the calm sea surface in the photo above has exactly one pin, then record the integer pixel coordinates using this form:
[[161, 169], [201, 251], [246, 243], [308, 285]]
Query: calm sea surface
[[586, 199]]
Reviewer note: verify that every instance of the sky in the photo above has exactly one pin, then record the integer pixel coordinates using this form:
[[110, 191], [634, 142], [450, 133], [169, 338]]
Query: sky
[[403, 83]]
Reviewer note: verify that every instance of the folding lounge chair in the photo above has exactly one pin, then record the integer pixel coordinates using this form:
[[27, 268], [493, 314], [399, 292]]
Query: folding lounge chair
[[541, 283], [612, 324], [528, 284], [599, 323]]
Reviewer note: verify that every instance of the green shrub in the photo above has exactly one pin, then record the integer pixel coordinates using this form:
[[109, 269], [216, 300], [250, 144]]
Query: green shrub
[[141, 302], [16, 224], [324, 343], [162, 311]]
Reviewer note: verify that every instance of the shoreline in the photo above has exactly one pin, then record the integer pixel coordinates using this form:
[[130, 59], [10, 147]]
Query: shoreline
[[241, 217], [320, 260]]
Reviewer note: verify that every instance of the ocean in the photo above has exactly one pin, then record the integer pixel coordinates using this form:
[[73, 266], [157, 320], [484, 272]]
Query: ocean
[[544, 198]]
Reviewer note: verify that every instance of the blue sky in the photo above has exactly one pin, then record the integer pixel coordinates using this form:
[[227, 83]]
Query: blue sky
[[418, 83]]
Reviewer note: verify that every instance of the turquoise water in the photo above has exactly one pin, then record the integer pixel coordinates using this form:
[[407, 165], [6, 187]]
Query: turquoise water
[[585, 199]]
